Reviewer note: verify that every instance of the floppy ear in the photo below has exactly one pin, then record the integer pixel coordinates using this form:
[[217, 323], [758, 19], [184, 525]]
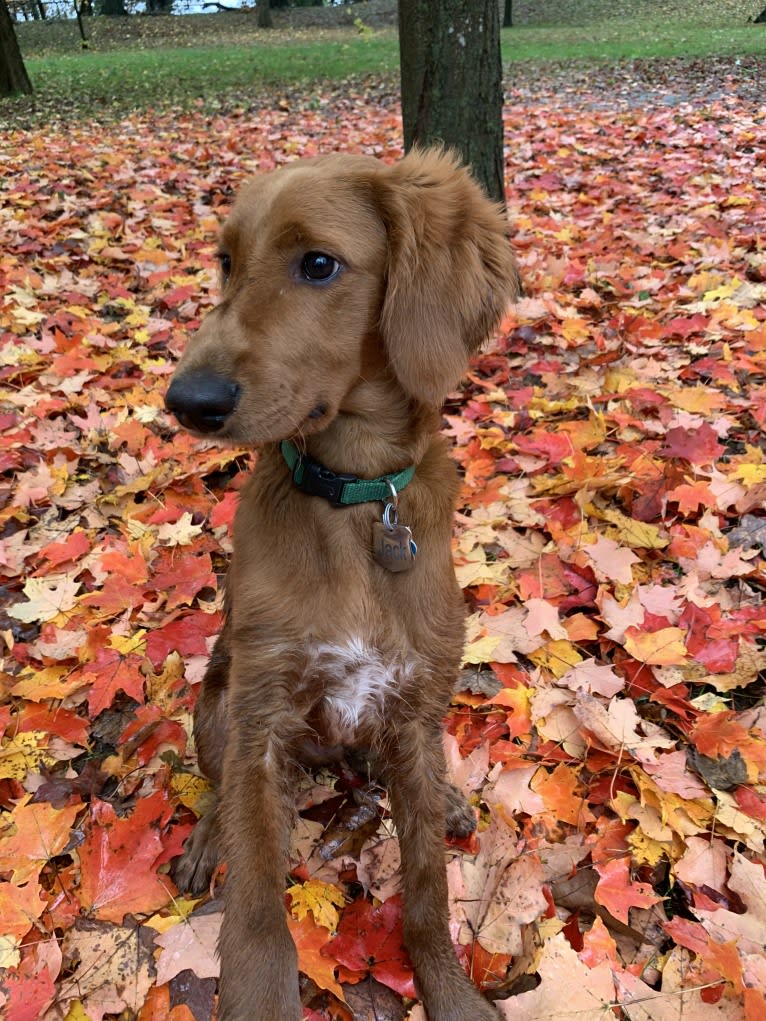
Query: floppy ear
[[451, 272]]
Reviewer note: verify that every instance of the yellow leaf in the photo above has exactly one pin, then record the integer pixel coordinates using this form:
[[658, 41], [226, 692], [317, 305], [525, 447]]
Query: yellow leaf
[[750, 474], [728, 814], [24, 753], [480, 650], [126, 645], [10, 954], [645, 850], [182, 908], [77, 1012], [49, 682], [475, 569], [321, 899], [549, 407], [575, 329], [193, 791], [636, 534], [657, 648], [558, 657], [682, 815], [724, 291]]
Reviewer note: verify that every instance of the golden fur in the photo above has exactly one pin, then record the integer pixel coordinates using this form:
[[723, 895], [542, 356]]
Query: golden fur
[[322, 646]]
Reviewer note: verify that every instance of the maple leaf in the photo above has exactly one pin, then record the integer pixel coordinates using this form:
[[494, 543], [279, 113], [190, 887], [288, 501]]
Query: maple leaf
[[111, 967], [310, 939], [322, 900], [20, 907], [616, 726], [558, 793], [40, 832], [117, 859], [190, 944], [29, 990], [370, 938], [25, 753], [593, 677], [618, 893], [589, 991], [47, 598], [664, 647], [498, 893], [611, 560], [698, 446]]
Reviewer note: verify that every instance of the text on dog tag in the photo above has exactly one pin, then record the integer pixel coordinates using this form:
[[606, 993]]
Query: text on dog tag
[[393, 548]]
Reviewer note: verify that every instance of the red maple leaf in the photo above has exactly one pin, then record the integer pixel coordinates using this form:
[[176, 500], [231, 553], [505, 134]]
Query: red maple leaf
[[697, 446], [370, 939], [118, 857]]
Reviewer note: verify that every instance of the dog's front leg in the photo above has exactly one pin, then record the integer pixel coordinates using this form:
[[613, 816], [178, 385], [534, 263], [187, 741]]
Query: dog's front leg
[[416, 779], [259, 973]]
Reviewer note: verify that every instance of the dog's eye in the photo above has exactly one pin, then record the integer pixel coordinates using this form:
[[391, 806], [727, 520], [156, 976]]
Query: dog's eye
[[224, 261], [318, 266]]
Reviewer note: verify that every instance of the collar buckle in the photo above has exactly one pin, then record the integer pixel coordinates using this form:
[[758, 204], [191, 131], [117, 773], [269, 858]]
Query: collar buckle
[[316, 480]]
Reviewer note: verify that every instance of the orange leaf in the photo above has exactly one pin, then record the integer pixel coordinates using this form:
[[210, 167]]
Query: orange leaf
[[559, 792], [658, 648], [309, 938], [598, 945], [617, 893], [117, 859], [41, 832]]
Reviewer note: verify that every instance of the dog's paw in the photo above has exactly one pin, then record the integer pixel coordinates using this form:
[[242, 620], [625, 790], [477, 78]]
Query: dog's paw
[[193, 871], [460, 817]]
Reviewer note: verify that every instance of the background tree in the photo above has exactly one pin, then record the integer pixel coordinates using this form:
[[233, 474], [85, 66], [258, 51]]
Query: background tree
[[508, 14], [112, 8], [13, 75], [263, 10], [452, 88]]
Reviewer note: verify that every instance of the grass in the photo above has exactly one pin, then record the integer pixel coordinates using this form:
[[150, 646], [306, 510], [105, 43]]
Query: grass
[[147, 62], [145, 77], [642, 38]]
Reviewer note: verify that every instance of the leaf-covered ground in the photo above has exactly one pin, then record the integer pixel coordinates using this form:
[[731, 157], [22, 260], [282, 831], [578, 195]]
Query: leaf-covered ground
[[610, 727]]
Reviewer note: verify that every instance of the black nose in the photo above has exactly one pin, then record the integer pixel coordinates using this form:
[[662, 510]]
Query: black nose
[[202, 401]]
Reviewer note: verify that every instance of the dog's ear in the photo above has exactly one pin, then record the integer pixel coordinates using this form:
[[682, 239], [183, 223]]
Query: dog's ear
[[451, 272]]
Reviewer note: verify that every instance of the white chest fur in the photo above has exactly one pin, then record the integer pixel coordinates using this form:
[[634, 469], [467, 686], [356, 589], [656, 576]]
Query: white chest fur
[[357, 682]]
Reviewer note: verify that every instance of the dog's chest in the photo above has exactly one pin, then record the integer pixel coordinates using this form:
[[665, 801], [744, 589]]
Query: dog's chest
[[354, 686]]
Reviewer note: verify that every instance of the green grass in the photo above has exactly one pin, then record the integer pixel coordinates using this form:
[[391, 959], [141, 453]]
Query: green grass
[[173, 75], [141, 63], [639, 39]]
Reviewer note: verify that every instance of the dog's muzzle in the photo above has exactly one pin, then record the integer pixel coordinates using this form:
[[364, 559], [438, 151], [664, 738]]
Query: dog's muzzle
[[202, 401]]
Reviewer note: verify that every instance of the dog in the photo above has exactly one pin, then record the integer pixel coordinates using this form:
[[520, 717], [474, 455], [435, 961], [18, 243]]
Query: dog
[[353, 293]]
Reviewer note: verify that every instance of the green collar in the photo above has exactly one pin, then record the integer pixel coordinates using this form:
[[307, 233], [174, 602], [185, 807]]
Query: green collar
[[340, 490]]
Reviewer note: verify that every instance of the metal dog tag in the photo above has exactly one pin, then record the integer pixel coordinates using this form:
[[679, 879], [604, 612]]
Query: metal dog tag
[[392, 544], [393, 548]]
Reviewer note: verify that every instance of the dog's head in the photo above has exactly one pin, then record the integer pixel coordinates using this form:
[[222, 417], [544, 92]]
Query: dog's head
[[335, 269]]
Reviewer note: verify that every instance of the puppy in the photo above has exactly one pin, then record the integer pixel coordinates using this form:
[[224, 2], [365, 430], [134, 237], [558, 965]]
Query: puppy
[[353, 294]]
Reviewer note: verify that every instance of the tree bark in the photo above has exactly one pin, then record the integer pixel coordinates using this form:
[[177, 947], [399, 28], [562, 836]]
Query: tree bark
[[263, 9], [13, 75], [452, 89]]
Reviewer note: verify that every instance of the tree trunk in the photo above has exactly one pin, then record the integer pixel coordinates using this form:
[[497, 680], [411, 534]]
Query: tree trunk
[[113, 9], [452, 90], [508, 14], [264, 14], [13, 75]]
